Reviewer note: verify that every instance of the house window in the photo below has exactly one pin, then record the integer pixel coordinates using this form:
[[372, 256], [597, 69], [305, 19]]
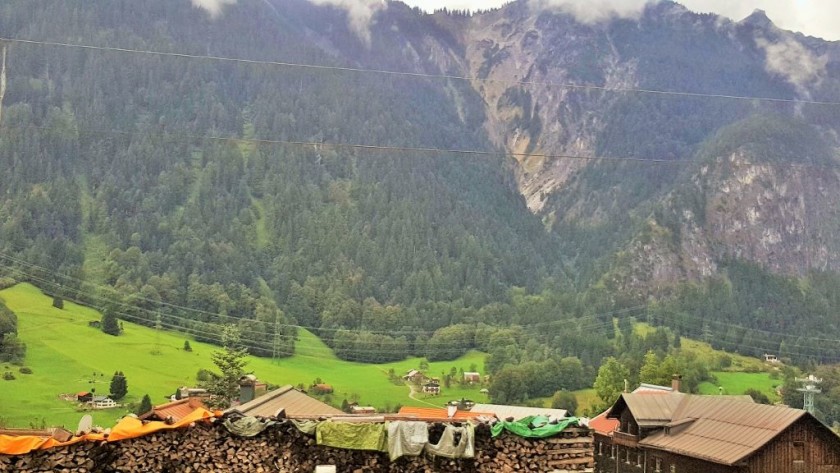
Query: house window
[[673, 468], [600, 448], [612, 452], [798, 451], [658, 465]]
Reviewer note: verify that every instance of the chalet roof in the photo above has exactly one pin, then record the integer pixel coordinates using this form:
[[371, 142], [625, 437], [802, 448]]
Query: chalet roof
[[435, 414], [650, 409], [720, 429], [295, 403], [517, 412], [177, 410]]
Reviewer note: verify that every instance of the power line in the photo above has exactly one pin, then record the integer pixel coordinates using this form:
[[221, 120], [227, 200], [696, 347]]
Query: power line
[[319, 67], [222, 316], [364, 147]]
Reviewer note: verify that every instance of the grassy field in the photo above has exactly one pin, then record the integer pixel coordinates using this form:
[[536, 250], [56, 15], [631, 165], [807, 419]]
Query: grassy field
[[736, 383], [67, 356]]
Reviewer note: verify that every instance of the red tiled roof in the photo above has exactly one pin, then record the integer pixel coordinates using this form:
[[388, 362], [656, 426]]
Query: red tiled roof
[[435, 414], [604, 425]]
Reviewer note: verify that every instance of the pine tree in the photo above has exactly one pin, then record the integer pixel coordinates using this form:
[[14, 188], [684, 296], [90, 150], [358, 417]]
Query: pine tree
[[119, 386], [187, 346], [110, 325], [230, 361], [145, 405]]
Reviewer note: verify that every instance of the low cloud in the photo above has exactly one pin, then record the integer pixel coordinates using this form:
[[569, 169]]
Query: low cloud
[[794, 62], [213, 7], [595, 11], [360, 14]]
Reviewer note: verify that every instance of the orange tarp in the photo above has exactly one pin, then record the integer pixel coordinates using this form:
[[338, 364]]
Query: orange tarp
[[127, 428]]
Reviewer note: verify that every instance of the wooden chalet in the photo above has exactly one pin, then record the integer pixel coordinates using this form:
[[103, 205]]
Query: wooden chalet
[[675, 432]]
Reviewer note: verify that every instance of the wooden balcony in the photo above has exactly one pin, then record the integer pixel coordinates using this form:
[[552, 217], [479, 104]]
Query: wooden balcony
[[625, 439]]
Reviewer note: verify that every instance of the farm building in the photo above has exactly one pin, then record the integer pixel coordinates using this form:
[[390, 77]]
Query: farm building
[[414, 376], [472, 377], [431, 388], [84, 396], [676, 432]]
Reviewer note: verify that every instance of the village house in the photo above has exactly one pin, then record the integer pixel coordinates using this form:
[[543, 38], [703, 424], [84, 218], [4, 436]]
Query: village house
[[653, 432], [431, 388], [472, 377], [414, 376], [771, 358], [102, 402]]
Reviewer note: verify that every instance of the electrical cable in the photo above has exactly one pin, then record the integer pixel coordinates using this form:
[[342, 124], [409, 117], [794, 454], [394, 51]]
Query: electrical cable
[[413, 74]]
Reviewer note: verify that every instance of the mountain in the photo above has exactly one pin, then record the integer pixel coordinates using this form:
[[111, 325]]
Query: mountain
[[267, 174]]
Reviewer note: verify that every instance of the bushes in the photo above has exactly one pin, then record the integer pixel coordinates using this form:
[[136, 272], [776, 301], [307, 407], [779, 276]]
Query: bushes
[[8, 376], [25, 370]]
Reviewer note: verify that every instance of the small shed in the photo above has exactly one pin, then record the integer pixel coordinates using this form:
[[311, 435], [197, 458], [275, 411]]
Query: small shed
[[84, 396], [472, 377], [322, 388], [362, 410]]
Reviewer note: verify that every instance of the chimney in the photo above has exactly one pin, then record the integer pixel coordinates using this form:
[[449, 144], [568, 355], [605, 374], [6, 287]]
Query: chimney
[[247, 388], [676, 380]]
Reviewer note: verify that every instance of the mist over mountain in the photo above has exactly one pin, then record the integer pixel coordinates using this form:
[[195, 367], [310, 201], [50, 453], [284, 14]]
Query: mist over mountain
[[625, 157]]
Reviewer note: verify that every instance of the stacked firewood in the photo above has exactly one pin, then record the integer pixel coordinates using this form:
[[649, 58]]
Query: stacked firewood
[[282, 448]]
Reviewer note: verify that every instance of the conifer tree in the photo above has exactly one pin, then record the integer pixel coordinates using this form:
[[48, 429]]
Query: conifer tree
[[119, 386], [230, 361]]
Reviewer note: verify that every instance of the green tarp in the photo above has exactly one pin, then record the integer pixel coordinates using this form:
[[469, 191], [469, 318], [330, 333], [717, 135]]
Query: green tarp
[[353, 436], [534, 427]]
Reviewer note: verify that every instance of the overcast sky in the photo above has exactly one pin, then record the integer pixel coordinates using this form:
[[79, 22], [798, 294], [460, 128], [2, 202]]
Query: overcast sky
[[819, 18]]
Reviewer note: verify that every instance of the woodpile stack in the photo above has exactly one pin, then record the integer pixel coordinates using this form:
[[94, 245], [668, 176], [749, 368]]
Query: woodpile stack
[[282, 448]]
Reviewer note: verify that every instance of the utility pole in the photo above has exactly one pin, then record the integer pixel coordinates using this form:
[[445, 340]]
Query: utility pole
[[158, 326], [3, 83], [274, 344], [809, 388]]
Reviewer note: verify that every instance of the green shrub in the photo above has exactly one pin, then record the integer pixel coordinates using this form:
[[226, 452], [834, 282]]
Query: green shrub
[[25, 370], [8, 376]]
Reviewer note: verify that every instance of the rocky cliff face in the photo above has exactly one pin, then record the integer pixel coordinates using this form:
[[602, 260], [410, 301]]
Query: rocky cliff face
[[542, 73]]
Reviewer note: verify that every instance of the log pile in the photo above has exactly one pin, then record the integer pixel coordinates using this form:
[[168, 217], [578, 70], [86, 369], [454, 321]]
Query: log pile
[[282, 448]]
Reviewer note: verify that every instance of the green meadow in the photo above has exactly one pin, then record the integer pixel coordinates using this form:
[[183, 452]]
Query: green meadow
[[737, 383], [68, 356]]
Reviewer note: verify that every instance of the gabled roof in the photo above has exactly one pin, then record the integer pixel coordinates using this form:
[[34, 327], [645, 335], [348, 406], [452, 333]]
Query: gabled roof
[[722, 429], [436, 414], [294, 402], [518, 412], [650, 409]]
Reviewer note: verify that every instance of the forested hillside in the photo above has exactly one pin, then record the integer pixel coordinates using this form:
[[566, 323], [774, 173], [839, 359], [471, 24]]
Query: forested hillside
[[112, 180], [266, 175]]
